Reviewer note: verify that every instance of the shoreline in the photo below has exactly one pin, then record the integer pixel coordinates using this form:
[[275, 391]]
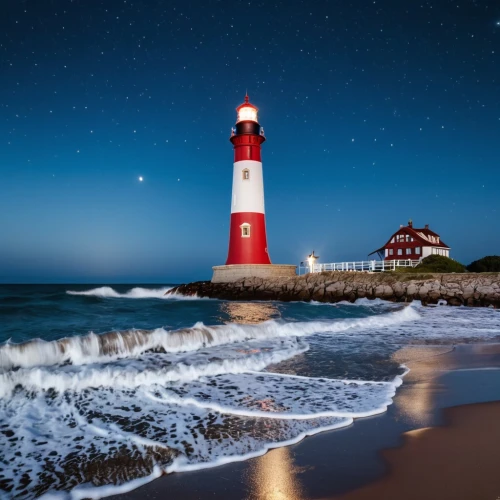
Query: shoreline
[[336, 464], [468, 289]]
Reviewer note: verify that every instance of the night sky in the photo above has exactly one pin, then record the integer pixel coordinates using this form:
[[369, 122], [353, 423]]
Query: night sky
[[374, 112]]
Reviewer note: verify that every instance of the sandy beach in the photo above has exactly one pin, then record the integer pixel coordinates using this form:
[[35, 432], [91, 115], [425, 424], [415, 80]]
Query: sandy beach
[[439, 439], [457, 460]]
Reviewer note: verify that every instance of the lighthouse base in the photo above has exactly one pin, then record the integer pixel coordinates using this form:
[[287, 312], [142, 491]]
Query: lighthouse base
[[235, 272]]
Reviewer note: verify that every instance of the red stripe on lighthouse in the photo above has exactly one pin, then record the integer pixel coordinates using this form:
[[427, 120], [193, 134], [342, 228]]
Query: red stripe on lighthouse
[[251, 249], [247, 147]]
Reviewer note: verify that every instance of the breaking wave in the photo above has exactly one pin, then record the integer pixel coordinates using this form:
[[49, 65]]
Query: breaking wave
[[105, 292], [146, 372], [134, 293], [92, 348]]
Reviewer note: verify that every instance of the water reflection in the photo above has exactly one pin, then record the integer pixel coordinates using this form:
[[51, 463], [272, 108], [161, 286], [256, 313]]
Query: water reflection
[[248, 313], [423, 388], [417, 399], [274, 477]]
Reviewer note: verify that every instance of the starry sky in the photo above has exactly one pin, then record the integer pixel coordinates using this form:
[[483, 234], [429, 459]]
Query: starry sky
[[374, 111]]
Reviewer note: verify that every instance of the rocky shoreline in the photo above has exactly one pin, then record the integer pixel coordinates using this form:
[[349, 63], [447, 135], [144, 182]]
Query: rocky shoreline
[[470, 289]]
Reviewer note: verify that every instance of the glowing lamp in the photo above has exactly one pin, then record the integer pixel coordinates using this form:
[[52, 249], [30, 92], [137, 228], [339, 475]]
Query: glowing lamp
[[311, 259], [247, 112]]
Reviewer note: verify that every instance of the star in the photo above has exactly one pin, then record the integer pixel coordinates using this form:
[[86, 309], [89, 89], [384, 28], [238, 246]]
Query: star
[[141, 178]]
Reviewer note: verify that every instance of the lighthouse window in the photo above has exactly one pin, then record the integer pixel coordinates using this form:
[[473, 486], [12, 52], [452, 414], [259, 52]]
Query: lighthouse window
[[245, 230], [246, 174]]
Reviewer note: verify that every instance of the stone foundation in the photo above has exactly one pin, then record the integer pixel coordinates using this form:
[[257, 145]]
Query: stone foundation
[[235, 272]]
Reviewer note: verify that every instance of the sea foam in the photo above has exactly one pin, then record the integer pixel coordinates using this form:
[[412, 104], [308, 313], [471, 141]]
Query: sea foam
[[134, 293]]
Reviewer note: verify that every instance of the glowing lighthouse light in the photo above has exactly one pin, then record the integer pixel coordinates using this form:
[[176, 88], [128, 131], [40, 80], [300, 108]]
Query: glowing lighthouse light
[[247, 235], [247, 112]]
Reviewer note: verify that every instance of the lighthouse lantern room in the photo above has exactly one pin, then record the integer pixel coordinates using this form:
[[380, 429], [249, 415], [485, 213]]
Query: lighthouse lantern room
[[248, 254]]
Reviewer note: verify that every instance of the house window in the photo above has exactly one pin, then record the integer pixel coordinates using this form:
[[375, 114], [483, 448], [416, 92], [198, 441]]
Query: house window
[[391, 251], [400, 251], [407, 238], [392, 240], [417, 250], [246, 174], [245, 230], [408, 251]]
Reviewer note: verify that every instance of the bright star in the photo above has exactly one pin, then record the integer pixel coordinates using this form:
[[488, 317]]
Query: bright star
[[141, 178]]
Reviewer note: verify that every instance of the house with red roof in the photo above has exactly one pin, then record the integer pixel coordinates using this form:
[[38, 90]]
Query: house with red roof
[[410, 243]]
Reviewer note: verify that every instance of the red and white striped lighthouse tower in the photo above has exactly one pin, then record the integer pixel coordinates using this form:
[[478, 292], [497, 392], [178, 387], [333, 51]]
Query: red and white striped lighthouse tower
[[248, 255], [247, 235]]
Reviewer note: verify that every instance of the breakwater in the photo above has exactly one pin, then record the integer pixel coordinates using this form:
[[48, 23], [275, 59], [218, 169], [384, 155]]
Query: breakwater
[[469, 289]]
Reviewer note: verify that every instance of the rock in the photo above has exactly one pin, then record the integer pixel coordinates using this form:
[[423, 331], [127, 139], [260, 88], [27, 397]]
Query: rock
[[457, 289], [318, 294]]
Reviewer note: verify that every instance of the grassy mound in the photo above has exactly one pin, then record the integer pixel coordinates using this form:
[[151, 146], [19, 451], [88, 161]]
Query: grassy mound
[[435, 264], [489, 264]]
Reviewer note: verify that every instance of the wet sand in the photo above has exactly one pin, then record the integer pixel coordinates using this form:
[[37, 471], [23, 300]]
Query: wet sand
[[417, 449], [458, 460]]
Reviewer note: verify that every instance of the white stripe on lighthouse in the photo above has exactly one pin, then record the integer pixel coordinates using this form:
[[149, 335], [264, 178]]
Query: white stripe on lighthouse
[[248, 194]]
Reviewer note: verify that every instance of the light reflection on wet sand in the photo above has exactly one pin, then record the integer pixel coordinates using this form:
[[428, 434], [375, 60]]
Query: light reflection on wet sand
[[422, 388], [275, 477]]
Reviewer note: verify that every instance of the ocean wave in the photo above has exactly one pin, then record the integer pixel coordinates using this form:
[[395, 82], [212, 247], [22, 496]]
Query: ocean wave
[[270, 395], [363, 301], [130, 376], [134, 293], [93, 348], [197, 417]]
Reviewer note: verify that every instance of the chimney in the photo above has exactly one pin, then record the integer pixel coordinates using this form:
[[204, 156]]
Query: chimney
[[400, 226], [410, 223], [427, 226]]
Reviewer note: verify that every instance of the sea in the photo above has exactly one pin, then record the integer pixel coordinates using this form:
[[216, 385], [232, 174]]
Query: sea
[[105, 388]]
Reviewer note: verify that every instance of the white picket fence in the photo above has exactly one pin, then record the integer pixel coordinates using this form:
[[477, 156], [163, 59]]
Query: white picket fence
[[370, 266]]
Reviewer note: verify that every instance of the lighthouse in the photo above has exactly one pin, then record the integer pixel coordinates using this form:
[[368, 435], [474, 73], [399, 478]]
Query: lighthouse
[[248, 254], [247, 234]]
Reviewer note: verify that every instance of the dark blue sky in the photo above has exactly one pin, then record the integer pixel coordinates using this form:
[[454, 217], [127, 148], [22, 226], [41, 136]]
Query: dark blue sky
[[375, 112]]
